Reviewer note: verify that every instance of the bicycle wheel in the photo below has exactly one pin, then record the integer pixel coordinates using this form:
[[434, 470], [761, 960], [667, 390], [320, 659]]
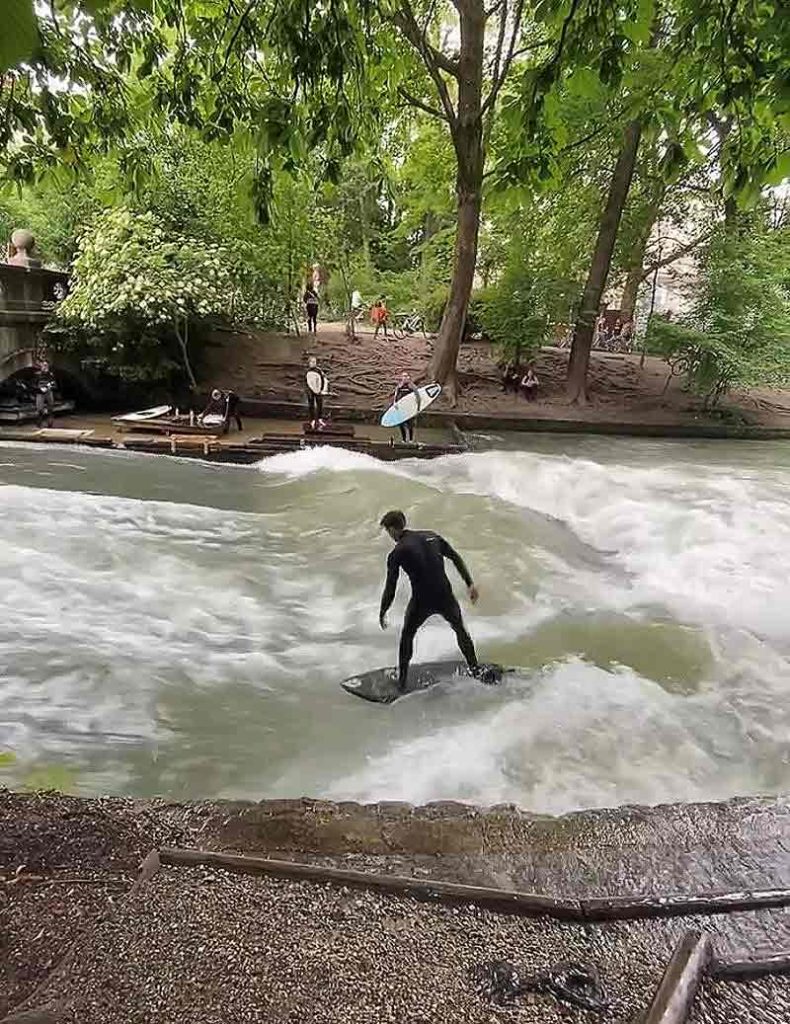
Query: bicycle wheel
[[398, 331]]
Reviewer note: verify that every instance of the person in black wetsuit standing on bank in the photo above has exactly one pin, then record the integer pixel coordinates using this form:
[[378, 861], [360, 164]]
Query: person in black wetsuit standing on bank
[[421, 555]]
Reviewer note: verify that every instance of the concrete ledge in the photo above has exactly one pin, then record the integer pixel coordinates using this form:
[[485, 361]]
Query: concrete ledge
[[278, 409]]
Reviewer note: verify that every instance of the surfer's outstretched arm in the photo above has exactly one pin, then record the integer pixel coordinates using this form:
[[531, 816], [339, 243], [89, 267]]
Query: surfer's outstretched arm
[[393, 568], [449, 552]]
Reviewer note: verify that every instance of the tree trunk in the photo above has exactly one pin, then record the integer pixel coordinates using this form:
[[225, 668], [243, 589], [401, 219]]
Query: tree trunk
[[631, 292], [584, 331], [448, 342], [467, 135], [183, 341], [636, 272]]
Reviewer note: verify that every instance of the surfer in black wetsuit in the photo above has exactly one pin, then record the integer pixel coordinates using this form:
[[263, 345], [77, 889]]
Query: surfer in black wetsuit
[[421, 555]]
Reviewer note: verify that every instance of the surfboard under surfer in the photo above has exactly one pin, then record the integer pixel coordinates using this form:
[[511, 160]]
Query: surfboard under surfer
[[421, 555]]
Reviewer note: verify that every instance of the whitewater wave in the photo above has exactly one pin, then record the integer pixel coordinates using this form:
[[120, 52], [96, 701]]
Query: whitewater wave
[[169, 627]]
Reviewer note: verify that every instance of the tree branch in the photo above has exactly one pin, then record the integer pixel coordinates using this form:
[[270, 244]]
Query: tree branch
[[501, 75], [682, 251], [404, 19], [433, 111]]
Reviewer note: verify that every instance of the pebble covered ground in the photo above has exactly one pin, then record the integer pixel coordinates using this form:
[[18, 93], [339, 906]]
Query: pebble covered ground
[[204, 946]]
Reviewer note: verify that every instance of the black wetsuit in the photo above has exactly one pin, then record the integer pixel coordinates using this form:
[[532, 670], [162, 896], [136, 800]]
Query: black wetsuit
[[407, 428], [232, 410], [421, 555], [315, 402]]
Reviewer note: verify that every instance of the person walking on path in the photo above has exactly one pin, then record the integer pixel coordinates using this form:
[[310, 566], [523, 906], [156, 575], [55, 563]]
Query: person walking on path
[[311, 307], [379, 314]]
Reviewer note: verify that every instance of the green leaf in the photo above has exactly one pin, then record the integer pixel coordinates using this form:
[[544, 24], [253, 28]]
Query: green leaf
[[19, 37], [780, 171]]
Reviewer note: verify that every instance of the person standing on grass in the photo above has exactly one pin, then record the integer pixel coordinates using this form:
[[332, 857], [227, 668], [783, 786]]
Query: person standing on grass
[[311, 307], [379, 314]]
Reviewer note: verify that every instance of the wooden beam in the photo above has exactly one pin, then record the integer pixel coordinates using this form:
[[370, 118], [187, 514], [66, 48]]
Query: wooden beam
[[506, 901], [746, 970], [680, 981], [621, 908], [499, 900]]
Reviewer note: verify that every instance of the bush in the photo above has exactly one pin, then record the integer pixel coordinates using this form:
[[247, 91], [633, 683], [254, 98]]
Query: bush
[[139, 291], [513, 314], [737, 333]]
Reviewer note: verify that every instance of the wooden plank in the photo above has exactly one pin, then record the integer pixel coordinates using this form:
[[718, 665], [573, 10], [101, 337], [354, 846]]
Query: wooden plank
[[498, 900], [746, 970], [503, 900], [680, 981], [623, 908]]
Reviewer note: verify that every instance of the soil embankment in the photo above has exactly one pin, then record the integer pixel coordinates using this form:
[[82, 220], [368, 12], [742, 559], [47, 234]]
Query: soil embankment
[[269, 369]]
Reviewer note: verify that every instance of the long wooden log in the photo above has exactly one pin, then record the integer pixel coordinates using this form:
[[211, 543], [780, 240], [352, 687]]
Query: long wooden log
[[680, 981], [499, 900], [746, 970], [620, 908], [506, 901]]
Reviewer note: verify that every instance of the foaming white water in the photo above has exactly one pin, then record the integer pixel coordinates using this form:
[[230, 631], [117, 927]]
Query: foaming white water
[[167, 627], [313, 460], [577, 736], [713, 545]]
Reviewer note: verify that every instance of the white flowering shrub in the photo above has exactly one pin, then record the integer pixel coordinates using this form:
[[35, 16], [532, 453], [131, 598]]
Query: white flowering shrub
[[138, 291]]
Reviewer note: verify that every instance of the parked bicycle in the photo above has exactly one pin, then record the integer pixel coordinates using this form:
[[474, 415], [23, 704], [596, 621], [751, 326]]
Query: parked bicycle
[[404, 324]]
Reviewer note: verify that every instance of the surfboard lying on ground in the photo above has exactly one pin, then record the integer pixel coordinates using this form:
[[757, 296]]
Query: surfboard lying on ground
[[144, 414], [381, 685], [406, 408]]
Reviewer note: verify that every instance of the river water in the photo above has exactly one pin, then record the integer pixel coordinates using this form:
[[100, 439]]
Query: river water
[[169, 627]]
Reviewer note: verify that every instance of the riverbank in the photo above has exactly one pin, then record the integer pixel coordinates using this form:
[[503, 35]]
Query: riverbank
[[82, 939], [625, 397]]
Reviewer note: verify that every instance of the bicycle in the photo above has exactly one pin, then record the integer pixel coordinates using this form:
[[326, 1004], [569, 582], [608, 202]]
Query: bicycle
[[407, 323]]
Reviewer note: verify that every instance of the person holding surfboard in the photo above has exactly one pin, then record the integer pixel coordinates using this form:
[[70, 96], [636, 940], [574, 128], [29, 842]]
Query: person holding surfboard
[[421, 555], [406, 386], [317, 386]]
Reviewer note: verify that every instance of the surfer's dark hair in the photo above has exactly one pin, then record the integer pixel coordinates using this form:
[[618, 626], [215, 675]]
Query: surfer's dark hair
[[393, 520]]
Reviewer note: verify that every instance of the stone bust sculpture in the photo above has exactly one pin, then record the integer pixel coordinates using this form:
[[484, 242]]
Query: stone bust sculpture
[[21, 248]]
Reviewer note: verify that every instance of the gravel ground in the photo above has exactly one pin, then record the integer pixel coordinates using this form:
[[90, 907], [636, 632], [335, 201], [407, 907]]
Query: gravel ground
[[204, 945]]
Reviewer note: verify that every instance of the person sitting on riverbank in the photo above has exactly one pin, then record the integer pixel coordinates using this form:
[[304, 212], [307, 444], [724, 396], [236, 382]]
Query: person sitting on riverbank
[[215, 408], [380, 315], [404, 387], [529, 385], [511, 377]]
